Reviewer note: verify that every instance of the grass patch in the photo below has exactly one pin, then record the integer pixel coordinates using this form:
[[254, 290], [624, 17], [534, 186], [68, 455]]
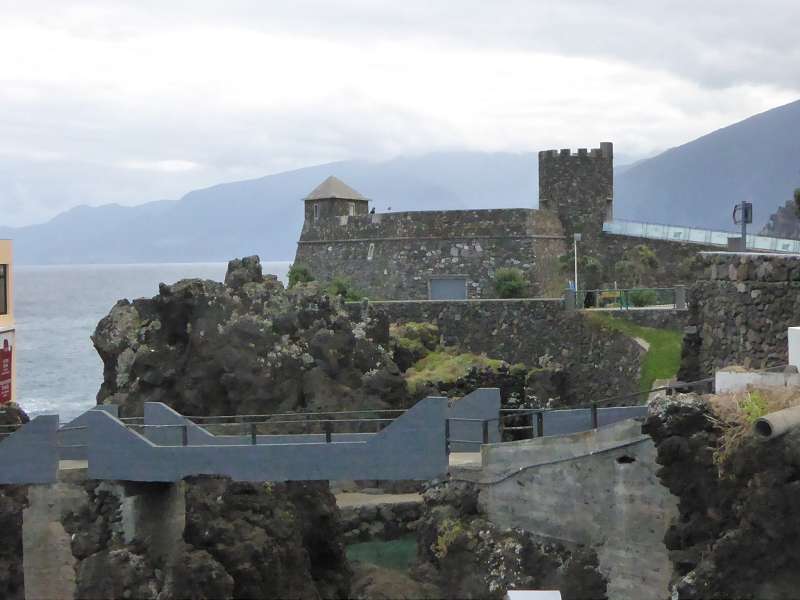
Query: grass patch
[[447, 366], [663, 358], [398, 554]]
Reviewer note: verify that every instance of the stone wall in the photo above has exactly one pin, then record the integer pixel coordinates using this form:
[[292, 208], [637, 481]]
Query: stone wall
[[597, 362], [596, 488], [578, 187], [675, 258], [657, 318], [393, 256], [739, 312]]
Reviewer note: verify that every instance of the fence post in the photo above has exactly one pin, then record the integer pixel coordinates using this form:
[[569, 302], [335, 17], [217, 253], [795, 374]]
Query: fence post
[[485, 431], [447, 437], [594, 415], [253, 434], [540, 424], [680, 297], [570, 299], [184, 435], [328, 427]]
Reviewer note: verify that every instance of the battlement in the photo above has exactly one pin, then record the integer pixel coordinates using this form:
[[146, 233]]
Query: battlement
[[606, 151]]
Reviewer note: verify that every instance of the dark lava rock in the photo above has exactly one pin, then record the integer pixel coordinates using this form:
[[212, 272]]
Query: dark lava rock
[[13, 499], [737, 531], [12, 414], [245, 346], [274, 540], [241, 540], [467, 556], [371, 582]]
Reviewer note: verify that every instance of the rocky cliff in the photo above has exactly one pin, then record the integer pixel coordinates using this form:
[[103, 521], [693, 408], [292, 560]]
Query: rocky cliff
[[13, 499], [240, 540], [739, 523], [243, 346]]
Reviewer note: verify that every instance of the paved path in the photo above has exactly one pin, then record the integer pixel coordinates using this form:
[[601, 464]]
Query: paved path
[[351, 499]]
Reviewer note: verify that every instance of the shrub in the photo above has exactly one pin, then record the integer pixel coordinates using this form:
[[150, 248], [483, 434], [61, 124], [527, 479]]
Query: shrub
[[343, 288], [510, 283], [299, 274], [643, 297]]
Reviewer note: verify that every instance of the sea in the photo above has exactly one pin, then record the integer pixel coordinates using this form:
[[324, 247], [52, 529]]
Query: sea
[[57, 309]]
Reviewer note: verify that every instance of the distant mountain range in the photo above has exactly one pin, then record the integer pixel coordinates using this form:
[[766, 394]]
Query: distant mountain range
[[697, 183]]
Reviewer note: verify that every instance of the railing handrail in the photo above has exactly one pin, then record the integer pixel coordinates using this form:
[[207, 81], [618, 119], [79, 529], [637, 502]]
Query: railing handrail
[[297, 414]]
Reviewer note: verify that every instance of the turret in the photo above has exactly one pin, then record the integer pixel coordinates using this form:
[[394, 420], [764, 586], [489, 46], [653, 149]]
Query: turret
[[334, 198], [578, 187]]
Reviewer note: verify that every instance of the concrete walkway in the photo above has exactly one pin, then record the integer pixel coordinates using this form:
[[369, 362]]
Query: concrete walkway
[[358, 499]]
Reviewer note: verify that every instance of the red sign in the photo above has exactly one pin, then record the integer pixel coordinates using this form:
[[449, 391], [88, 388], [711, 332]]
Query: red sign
[[6, 370]]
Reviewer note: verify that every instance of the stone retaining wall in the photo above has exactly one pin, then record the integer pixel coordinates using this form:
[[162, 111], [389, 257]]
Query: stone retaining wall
[[393, 256], [739, 312], [598, 362]]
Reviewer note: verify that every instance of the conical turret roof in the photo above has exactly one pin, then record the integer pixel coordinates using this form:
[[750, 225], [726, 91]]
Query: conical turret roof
[[334, 188]]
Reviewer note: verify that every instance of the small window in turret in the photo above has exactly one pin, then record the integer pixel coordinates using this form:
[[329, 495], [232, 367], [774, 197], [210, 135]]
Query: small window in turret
[[316, 212], [371, 251]]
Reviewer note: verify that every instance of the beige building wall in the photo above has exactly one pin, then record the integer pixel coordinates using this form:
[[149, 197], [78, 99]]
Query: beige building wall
[[7, 319]]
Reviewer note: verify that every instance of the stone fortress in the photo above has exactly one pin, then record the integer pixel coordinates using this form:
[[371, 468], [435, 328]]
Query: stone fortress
[[455, 254]]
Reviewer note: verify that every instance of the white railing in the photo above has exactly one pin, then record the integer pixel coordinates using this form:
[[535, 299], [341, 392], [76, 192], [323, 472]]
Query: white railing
[[677, 233]]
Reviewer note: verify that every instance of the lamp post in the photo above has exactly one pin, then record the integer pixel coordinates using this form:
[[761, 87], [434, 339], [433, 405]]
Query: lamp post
[[576, 237]]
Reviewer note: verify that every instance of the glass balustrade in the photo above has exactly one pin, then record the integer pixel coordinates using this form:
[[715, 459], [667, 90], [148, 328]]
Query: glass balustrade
[[677, 233]]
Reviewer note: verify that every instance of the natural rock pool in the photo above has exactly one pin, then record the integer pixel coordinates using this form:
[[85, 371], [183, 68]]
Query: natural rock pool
[[398, 554]]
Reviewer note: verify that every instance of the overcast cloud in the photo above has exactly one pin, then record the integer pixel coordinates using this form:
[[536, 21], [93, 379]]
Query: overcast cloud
[[104, 101]]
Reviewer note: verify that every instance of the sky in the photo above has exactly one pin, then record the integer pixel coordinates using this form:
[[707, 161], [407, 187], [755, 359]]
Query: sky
[[127, 102]]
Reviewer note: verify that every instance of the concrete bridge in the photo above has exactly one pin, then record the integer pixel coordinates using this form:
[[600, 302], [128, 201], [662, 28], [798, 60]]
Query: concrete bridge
[[164, 446]]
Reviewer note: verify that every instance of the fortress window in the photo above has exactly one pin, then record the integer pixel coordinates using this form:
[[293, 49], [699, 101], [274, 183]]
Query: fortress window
[[371, 251], [352, 209], [316, 211], [3, 289]]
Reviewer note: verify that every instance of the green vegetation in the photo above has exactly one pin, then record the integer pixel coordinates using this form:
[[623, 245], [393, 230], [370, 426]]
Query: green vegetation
[[510, 283], [734, 415], [417, 338], [342, 287], [754, 407], [664, 356], [446, 366], [590, 270], [643, 297], [637, 265], [399, 554], [449, 531], [299, 274]]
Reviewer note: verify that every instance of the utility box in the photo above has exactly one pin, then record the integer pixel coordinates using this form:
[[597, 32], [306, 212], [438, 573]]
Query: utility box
[[447, 288], [794, 346]]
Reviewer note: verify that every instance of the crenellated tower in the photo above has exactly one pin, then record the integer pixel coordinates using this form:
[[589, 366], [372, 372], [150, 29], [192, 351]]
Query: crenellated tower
[[578, 187]]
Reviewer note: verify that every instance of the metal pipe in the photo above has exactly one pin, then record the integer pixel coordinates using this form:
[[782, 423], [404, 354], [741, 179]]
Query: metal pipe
[[776, 424]]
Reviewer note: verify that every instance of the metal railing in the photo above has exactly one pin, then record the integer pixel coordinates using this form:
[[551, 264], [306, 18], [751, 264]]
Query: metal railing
[[252, 426], [708, 237], [8, 430], [62, 430], [536, 416], [628, 298]]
